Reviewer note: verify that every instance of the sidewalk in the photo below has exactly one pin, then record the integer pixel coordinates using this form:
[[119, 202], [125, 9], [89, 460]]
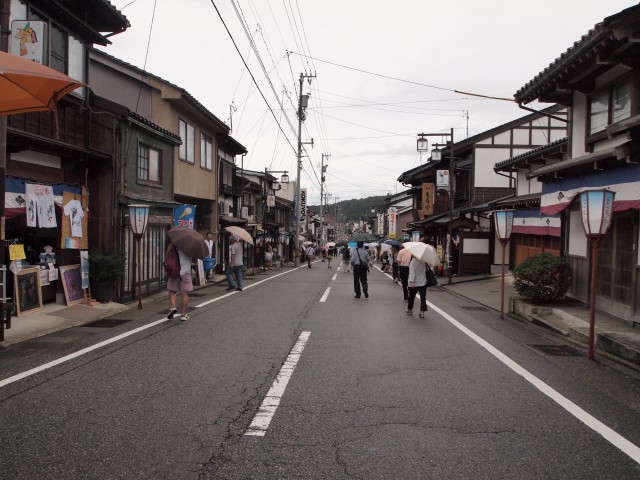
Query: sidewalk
[[616, 339]]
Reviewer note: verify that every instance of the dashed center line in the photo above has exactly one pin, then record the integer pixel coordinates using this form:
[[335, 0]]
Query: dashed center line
[[325, 295], [269, 405]]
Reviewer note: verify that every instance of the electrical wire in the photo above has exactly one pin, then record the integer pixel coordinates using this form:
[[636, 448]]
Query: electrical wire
[[249, 70], [410, 81]]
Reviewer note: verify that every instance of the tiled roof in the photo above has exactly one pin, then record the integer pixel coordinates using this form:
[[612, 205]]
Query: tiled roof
[[532, 153]]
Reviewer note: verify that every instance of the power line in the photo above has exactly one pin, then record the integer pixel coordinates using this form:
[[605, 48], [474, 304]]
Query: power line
[[409, 81], [250, 73]]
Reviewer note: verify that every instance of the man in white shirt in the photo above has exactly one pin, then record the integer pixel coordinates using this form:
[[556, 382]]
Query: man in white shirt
[[360, 261], [236, 264]]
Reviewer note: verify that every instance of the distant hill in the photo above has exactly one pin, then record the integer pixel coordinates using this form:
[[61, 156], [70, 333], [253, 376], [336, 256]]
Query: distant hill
[[355, 208]]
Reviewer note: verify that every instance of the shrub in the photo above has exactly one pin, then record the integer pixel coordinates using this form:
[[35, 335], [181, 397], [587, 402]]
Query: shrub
[[542, 278], [105, 268]]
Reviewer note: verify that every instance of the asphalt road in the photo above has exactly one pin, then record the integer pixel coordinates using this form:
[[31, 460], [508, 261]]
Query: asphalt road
[[366, 393]]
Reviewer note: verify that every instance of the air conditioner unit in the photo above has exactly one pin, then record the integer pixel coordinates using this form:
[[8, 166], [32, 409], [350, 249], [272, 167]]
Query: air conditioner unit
[[245, 212], [229, 210], [221, 208]]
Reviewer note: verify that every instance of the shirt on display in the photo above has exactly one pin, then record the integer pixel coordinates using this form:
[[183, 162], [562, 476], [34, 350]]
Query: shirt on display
[[74, 211]]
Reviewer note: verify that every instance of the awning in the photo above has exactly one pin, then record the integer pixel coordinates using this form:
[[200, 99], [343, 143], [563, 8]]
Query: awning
[[532, 222], [624, 180], [232, 220]]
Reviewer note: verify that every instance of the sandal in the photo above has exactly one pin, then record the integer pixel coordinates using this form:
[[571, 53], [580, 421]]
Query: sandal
[[421, 315]]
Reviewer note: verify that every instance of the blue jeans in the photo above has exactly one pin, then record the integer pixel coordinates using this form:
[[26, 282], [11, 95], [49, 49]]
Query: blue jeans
[[238, 272]]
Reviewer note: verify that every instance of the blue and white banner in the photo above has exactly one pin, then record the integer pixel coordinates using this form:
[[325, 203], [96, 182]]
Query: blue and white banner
[[532, 222], [625, 181], [184, 216]]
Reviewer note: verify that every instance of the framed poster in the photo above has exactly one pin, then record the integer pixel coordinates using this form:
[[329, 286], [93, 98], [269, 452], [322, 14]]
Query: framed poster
[[72, 284], [27, 291]]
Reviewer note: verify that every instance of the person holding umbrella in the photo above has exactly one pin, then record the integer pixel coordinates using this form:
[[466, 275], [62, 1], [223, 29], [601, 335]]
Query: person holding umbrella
[[236, 264], [360, 261], [182, 284], [424, 256], [189, 245]]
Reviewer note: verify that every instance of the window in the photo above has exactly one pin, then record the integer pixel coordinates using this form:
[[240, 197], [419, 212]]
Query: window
[[58, 60], [76, 64], [206, 154], [148, 164], [609, 106], [187, 149]]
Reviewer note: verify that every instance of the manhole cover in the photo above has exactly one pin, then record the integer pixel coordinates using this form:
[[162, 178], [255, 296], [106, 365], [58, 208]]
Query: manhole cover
[[472, 308], [106, 323], [558, 350]]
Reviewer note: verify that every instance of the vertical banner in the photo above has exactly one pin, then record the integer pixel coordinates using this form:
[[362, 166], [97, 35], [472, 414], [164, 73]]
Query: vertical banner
[[84, 268], [392, 211], [381, 224], [184, 216], [303, 205], [443, 178], [427, 198]]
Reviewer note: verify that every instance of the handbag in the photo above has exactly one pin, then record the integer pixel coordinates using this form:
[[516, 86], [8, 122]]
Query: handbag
[[432, 280]]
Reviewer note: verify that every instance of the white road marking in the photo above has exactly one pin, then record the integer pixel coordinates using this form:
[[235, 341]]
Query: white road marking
[[335, 275], [633, 451], [269, 405], [325, 295], [46, 366], [20, 376]]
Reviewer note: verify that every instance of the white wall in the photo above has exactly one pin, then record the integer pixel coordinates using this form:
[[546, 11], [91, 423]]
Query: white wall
[[579, 125], [485, 160]]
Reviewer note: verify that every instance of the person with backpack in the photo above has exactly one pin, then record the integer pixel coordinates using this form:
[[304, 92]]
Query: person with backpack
[[346, 258], [178, 267]]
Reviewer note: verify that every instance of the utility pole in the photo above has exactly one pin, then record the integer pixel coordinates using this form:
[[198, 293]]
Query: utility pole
[[303, 101], [322, 170]]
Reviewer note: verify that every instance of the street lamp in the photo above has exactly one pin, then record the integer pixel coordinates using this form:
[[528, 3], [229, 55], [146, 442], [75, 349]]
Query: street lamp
[[138, 217], [503, 223], [436, 154], [596, 208]]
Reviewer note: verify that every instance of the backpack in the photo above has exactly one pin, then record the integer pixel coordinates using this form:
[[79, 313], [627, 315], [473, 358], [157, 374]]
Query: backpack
[[171, 263]]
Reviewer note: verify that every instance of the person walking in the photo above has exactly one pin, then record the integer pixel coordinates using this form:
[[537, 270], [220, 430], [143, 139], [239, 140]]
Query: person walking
[[417, 284], [394, 264], [329, 257], [360, 261], [182, 284], [209, 241], [346, 258], [310, 253], [404, 260], [236, 264]]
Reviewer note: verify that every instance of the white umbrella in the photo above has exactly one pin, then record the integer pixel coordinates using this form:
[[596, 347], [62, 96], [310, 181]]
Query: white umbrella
[[384, 247], [330, 244], [307, 243], [423, 252], [241, 233]]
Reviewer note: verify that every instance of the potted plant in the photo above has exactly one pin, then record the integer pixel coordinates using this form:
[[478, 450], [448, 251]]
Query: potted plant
[[104, 272]]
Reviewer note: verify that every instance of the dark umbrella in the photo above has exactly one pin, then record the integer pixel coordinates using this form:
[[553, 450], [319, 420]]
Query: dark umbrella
[[341, 243], [364, 237], [189, 241], [393, 243]]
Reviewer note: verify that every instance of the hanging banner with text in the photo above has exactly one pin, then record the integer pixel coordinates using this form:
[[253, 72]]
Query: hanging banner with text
[[428, 190], [184, 216], [392, 211], [303, 205]]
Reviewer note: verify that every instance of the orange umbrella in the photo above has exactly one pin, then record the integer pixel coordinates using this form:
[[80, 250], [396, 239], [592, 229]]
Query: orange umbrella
[[27, 86]]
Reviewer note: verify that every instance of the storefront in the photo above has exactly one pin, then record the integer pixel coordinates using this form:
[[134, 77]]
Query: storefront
[[45, 229]]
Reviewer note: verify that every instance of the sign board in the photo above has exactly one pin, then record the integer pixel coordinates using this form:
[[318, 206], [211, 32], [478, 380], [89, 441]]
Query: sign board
[[27, 39], [271, 201], [442, 178], [381, 224], [392, 213], [303, 205], [184, 216], [428, 190]]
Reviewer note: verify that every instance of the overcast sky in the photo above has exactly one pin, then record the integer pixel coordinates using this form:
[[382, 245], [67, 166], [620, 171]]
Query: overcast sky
[[384, 72]]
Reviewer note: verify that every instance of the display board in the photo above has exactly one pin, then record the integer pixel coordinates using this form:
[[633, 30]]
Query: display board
[[72, 284], [75, 216], [28, 292]]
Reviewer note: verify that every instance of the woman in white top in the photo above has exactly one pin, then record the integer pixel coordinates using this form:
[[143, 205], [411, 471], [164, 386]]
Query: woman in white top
[[417, 284]]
